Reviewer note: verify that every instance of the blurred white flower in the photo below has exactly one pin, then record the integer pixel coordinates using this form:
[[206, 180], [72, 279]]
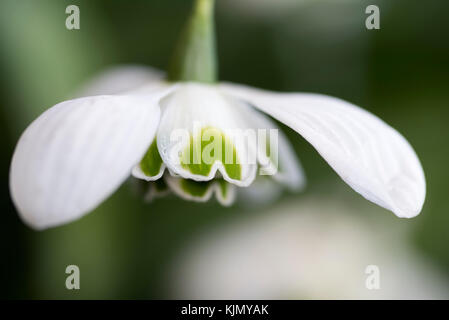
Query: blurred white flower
[[308, 249]]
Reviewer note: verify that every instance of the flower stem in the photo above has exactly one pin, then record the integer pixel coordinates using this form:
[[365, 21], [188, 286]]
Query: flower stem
[[194, 58]]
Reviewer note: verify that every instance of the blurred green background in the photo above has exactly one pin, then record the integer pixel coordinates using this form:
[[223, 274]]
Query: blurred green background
[[400, 73]]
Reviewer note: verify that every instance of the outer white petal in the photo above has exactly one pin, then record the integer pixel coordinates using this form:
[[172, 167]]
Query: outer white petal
[[194, 106], [120, 79], [77, 153], [369, 155]]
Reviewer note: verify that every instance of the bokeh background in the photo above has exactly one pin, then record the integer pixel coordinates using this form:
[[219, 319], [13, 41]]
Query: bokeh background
[[310, 245]]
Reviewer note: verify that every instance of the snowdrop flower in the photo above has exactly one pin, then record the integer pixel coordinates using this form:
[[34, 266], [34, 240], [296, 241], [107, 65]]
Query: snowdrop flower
[[80, 151], [308, 248]]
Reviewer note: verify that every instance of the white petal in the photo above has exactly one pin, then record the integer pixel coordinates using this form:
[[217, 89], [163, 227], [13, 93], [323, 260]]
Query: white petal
[[288, 170], [225, 192], [120, 79], [77, 153], [369, 155], [191, 108], [139, 174], [202, 191]]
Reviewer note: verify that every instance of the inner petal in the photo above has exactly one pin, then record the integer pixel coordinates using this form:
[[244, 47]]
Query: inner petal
[[201, 191], [208, 148], [200, 136]]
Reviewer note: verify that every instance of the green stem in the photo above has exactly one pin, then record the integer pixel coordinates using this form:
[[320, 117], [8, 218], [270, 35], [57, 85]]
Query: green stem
[[195, 55]]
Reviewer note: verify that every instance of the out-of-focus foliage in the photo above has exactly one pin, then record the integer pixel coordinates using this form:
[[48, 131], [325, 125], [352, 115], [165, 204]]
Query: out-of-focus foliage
[[400, 72]]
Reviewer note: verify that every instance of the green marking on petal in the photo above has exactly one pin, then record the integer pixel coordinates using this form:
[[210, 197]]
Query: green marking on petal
[[268, 149], [151, 162], [206, 149], [195, 188]]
